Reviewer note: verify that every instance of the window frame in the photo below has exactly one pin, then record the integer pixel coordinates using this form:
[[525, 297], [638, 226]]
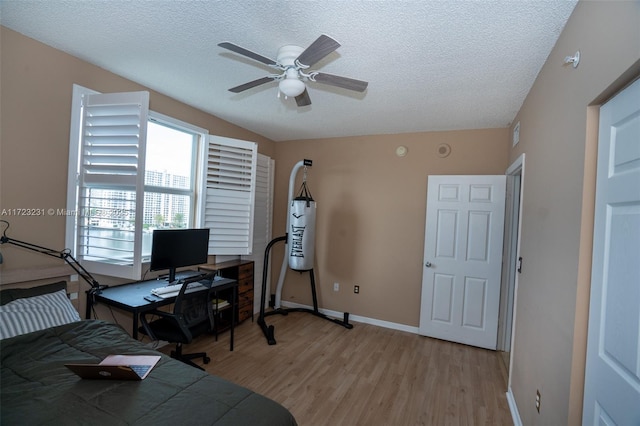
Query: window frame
[[199, 140], [201, 172]]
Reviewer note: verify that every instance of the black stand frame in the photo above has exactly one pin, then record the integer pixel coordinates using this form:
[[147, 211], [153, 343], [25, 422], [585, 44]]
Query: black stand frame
[[269, 330]]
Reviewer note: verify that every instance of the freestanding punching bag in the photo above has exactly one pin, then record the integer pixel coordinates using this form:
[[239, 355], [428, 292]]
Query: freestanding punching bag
[[302, 217], [299, 255]]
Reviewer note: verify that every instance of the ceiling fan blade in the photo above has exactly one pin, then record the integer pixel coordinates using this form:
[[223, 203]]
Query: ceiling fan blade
[[318, 50], [249, 54], [344, 82], [303, 99], [251, 84]]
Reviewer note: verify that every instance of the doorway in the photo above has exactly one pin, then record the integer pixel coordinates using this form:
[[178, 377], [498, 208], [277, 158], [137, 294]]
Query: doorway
[[463, 259], [511, 259]]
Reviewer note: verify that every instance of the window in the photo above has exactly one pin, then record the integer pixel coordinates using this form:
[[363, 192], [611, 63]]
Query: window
[[131, 171], [169, 177]]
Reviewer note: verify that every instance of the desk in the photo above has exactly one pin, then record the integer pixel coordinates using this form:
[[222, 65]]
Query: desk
[[131, 298]]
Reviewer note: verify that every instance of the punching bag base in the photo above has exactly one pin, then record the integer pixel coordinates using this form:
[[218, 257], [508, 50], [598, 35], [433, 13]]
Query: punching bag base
[[268, 330], [269, 334]]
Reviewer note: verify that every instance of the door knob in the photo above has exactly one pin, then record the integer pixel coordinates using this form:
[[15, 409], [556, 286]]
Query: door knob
[[428, 264]]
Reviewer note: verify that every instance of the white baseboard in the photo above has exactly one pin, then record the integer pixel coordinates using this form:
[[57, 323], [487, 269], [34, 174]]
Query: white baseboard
[[515, 415], [356, 318]]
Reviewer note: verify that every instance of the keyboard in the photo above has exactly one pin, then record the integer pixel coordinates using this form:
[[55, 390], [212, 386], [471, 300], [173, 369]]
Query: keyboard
[[183, 275], [140, 370], [173, 290]]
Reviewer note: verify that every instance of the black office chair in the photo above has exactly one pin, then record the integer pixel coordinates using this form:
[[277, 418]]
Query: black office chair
[[192, 316]]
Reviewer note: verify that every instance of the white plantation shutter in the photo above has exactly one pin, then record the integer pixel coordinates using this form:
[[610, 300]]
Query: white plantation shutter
[[263, 218], [110, 183], [229, 192]]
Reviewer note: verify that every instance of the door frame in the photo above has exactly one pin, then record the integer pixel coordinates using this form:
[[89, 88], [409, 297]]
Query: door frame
[[517, 168], [513, 220]]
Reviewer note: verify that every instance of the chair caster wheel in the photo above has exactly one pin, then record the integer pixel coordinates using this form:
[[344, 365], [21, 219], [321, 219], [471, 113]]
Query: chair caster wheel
[[206, 360]]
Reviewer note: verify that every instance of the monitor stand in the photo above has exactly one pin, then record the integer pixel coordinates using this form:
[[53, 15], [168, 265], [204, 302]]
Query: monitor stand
[[174, 277]]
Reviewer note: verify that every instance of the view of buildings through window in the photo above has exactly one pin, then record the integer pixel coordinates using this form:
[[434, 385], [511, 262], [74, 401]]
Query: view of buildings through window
[[163, 210], [169, 191]]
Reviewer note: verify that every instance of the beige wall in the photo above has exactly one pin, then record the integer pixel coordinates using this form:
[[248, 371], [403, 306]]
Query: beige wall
[[36, 83], [371, 208], [556, 133]]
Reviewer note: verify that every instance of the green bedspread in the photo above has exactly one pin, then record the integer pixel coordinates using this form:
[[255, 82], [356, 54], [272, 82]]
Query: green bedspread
[[38, 389]]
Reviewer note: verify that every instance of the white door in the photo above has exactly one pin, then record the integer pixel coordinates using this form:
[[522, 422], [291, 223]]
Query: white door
[[463, 259], [612, 377]]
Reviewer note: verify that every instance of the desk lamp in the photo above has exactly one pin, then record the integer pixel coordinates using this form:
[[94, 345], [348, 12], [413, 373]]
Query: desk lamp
[[64, 255]]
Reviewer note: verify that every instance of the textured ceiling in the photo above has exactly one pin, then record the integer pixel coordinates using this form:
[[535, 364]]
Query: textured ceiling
[[431, 65]]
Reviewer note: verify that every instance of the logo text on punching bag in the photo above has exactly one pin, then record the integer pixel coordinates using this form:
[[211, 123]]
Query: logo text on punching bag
[[296, 240]]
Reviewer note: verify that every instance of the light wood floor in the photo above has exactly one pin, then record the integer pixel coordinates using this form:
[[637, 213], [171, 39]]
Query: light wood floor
[[328, 375]]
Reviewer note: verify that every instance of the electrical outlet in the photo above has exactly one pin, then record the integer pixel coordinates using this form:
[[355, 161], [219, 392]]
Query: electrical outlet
[[336, 286], [356, 289], [538, 400]]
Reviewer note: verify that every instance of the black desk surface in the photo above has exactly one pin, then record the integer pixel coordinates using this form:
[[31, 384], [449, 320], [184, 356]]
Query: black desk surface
[[131, 297]]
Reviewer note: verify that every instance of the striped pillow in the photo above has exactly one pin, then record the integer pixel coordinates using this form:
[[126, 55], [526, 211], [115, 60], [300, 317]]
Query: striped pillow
[[36, 313]]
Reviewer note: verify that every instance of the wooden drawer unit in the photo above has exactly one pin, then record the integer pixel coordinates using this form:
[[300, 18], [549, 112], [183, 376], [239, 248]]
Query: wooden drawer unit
[[245, 292], [245, 311], [245, 271]]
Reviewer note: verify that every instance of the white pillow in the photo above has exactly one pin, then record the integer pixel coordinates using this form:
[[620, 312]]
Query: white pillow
[[23, 316]]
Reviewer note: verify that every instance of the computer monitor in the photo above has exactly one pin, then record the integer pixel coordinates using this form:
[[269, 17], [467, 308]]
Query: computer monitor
[[175, 248]]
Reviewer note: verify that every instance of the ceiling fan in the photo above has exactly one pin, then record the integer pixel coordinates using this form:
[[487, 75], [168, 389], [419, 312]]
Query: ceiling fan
[[294, 61]]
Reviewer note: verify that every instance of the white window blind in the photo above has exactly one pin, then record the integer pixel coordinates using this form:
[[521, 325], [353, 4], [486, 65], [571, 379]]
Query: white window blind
[[111, 183], [230, 190], [263, 218]]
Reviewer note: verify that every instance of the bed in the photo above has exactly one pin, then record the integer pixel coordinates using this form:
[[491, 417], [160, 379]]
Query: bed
[[36, 387]]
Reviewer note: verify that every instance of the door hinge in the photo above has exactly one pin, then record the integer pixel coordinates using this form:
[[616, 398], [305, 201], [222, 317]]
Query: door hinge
[[519, 268]]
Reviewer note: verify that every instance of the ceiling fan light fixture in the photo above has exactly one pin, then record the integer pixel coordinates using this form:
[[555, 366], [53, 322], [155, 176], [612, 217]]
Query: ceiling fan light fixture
[[293, 60], [291, 87]]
